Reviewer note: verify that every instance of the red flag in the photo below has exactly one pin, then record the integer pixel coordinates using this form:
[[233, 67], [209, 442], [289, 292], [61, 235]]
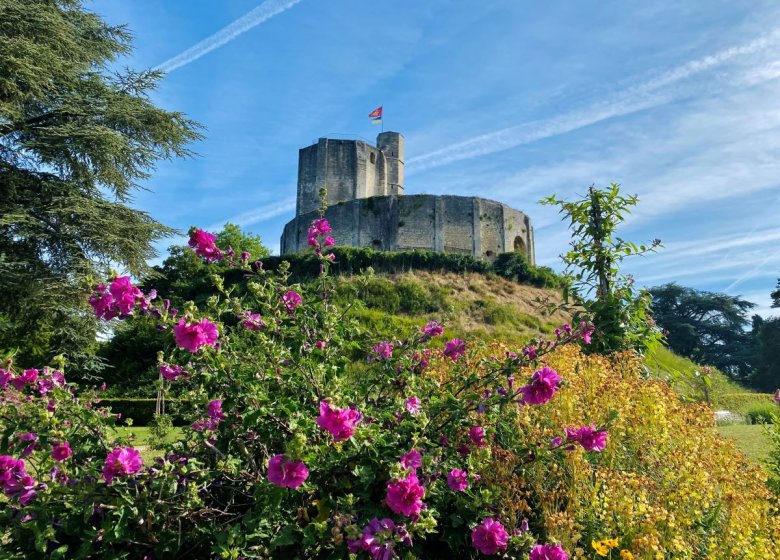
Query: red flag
[[376, 113]]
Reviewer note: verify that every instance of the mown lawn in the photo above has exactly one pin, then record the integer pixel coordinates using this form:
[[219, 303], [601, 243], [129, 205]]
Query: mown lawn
[[142, 438], [751, 439]]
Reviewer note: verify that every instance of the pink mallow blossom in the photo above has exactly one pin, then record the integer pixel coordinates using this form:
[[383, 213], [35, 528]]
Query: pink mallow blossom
[[291, 300], [411, 460], [489, 536], [405, 495], [122, 461], [192, 336], [340, 422], [286, 473], [589, 437], [172, 373], [120, 299], [413, 405], [432, 329], [14, 480], [477, 436], [252, 321], [28, 377], [61, 452], [454, 349], [379, 539], [458, 480], [548, 552], [383, 350], [204, 244], [543, 386], [124, 294]]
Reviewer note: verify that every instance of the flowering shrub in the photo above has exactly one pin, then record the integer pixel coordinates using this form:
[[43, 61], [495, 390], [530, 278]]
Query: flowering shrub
[[436, 450]]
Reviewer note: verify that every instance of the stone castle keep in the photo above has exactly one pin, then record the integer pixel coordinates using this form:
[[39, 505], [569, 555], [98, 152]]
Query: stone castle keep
[[367, 206]]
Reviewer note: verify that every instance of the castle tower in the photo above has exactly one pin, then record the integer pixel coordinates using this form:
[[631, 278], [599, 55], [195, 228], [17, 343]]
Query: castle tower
[[391, 144]]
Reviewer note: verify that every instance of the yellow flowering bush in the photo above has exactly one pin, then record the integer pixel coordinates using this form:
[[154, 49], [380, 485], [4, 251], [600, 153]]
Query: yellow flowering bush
[[666, 486]]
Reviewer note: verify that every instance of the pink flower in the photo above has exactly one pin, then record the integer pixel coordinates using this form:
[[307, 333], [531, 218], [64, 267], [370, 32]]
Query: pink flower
[[477, 436], [405, 495], [172, 373], [340, 422], [321, 226], [413, 405], [5, 377], [589, 437], [454, 349], [28, 377], [379, 538], [120, 300], [319, 345], [285, 473], [252, 321], [14, 480], [291, 300], [458, 480], [548, 552], [103, 305], [411, 460], [329, 241], [204, 244], [383, 350], [191, 336], [122, 461], [215, 410], [489, 536], [432, 329], [543, 386], [61, 452], [124, 294]]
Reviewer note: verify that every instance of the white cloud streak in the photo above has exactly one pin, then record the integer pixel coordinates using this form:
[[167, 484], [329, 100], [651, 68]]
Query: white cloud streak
[[645, 95], [250, 20], [258, 215]]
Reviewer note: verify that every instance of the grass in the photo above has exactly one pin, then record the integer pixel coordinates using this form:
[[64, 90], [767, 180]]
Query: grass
[[750, 439], [141, 437]]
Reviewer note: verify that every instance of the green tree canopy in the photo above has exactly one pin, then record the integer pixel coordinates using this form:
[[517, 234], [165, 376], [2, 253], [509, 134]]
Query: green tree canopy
[[76, 137], [766, 375], [620, 312], [707, 327]]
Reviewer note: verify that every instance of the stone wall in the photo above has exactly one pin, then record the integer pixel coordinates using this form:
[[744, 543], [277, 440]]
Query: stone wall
[[451, 224], [349, 169]]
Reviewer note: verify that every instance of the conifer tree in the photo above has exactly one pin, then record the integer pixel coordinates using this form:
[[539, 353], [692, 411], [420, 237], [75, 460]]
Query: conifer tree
[[76, 139]]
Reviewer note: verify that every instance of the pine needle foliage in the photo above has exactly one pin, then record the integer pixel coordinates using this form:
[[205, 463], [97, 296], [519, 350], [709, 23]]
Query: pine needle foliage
[[76, 139]]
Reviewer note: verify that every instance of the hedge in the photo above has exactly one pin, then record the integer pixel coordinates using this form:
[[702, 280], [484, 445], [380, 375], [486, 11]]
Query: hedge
[[140, 410], [740, 402], [354, 260]]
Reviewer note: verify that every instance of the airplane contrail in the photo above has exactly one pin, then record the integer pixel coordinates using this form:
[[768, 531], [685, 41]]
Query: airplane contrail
[[642, 96], [258, 215], [251, 19]]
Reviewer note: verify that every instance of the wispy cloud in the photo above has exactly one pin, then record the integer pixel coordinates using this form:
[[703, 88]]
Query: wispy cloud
[[250, 20], [644, 95], [258, 215]]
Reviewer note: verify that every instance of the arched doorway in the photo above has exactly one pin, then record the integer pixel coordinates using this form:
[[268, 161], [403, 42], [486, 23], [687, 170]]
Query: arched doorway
[[520, 246]]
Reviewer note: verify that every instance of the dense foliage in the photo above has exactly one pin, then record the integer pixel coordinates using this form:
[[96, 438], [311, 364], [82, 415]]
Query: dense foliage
[[76, 136], [436, 450], [601, 294], [707, 327], [766, 349], [355, 260]]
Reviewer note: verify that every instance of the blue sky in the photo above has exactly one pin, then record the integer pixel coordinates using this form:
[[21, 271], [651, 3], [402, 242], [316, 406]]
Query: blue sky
[[677, 102]]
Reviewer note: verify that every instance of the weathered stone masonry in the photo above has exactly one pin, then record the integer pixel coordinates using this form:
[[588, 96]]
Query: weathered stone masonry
[[366, 206]]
